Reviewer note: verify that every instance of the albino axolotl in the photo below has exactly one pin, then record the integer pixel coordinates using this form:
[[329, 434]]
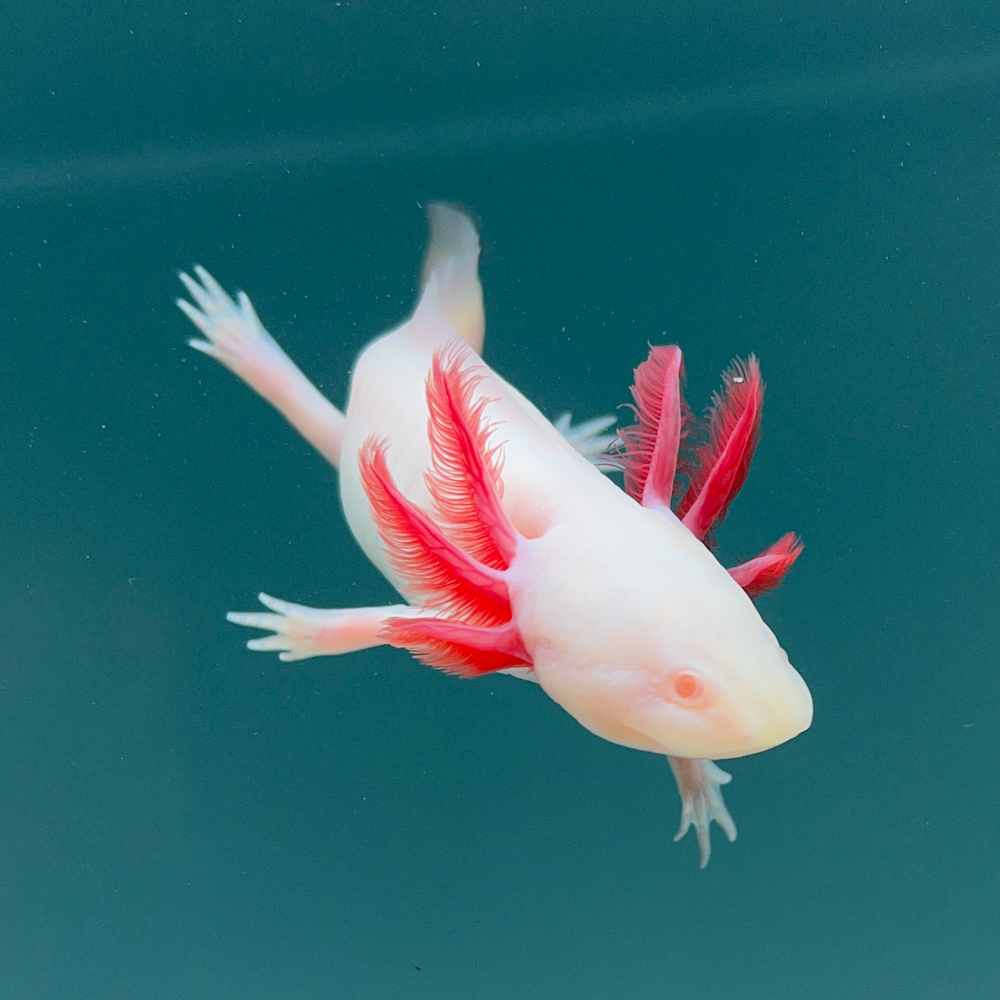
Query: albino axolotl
[[512, 549]]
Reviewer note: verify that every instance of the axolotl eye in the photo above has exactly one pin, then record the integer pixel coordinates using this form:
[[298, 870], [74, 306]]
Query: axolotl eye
[[687, 687], [683, 687]]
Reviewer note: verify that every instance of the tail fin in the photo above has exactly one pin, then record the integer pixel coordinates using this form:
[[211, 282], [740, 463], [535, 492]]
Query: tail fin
[[453, 258]]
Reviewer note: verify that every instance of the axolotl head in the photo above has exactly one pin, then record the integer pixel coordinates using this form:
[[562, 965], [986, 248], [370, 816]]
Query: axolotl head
[[647, 641]]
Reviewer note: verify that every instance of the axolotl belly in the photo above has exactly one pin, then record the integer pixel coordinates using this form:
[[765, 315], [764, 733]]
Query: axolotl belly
[[514, 552]]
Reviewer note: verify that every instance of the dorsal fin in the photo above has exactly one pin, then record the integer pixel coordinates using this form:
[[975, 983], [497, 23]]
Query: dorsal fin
[[453, 256]]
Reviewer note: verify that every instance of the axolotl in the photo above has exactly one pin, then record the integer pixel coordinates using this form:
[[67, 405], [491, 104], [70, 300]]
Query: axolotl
[[515, 552]]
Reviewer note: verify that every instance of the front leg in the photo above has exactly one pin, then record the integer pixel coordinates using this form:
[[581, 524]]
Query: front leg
[[236, 338], [700, 785], [301, 632]]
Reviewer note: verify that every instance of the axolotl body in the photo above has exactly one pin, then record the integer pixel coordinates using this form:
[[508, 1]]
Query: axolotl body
[[513, 550]]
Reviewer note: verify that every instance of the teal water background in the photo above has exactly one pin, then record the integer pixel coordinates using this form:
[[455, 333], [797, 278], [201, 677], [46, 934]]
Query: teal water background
[[181, 818]]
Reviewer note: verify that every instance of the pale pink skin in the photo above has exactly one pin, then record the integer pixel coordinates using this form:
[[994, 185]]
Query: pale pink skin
[[612, 599]]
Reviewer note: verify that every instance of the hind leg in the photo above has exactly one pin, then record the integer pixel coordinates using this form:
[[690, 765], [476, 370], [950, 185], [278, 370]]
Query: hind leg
[[589, 438], [236, 338]]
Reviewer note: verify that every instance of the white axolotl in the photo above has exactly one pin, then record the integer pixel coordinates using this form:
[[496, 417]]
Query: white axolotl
[[515, 553]]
